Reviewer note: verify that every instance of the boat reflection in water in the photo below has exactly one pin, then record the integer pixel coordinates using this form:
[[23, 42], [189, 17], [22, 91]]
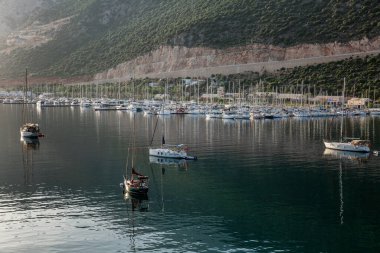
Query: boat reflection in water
[[354, 156], [29, 146], [180, 163], [30, 143], [137, 202]]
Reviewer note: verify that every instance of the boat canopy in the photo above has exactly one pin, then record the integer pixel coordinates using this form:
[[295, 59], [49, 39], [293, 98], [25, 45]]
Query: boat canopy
[[360, 142]]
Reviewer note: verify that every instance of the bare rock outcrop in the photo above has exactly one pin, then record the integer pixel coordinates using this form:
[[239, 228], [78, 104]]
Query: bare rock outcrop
[[34, 35], [178, 61]]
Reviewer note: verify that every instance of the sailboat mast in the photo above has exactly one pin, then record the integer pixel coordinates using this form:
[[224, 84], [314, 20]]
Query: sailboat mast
[[198, 91], [341, 123], [26, 85], [24, 116], [207, 98], [163, 112], [134, 140]]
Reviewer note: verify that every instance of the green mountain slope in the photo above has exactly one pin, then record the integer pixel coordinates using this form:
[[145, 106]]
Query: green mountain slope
[[103, 33], [362, 76]]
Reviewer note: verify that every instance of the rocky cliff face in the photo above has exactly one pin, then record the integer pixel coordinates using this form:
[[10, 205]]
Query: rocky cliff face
[[181, 61]]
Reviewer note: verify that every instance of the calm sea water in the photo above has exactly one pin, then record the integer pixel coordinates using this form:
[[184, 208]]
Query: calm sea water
[[258, 186]]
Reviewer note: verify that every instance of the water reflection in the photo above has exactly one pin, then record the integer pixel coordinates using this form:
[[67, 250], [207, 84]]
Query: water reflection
[[38, 111], [29, 146], [180, 163], [341, 206], [29, 143], [353, 156], [265, 180], [137, 203], [341, 155]]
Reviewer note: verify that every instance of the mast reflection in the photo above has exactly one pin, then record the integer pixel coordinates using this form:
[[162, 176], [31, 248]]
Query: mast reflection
[[29, 146]]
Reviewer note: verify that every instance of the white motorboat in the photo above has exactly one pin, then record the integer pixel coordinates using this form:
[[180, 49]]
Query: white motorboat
[[214, 115], [242, 115], [134, 107], [228, 115], [85, 103], [163, 111], [121, 107]]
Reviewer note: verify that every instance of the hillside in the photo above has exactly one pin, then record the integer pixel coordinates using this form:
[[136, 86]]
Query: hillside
[[103, 34], [13, 14], [362, 75], [362, 79]]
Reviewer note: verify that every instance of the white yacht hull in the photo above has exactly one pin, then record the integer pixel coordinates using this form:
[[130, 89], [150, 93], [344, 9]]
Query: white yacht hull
[[228, 116], [169, 153], [163, 112], [346, 146], [214, 116]]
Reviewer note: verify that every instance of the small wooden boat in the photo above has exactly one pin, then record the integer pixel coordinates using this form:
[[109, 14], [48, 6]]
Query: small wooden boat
[[137, 184], [30, 130]]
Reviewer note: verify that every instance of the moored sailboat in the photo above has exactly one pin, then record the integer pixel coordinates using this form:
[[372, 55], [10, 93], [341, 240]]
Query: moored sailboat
[[136, 183], [350, 144], [178, 151], [30, 130], [347, 144]]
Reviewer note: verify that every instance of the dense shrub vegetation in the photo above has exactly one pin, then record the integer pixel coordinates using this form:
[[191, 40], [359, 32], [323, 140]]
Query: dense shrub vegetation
[[362, 78], [103, 34]]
